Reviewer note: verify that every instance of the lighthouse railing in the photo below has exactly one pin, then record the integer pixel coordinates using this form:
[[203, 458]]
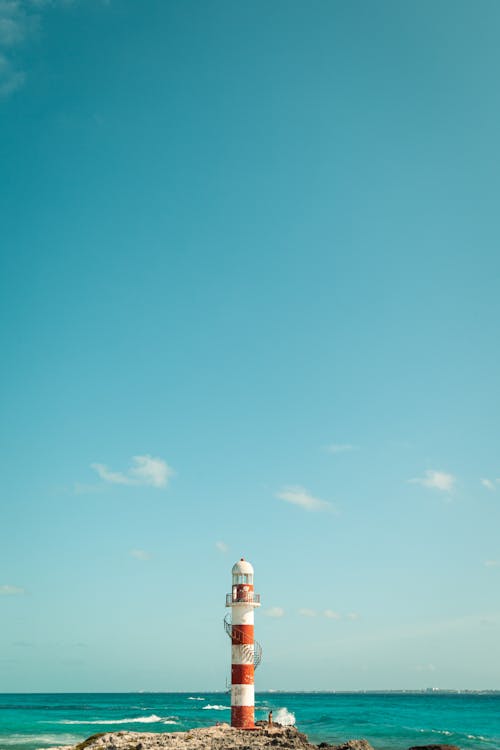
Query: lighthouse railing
[[243, 597]]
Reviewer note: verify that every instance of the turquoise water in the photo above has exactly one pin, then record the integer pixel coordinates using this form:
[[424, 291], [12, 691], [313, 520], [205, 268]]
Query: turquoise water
[[389, 721]]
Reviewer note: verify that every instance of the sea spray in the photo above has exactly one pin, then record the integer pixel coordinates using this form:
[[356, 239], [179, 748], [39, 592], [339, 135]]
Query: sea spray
[[284, 717]]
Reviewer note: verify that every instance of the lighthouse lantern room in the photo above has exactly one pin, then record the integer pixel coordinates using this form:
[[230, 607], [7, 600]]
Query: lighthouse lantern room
[[246, 653]]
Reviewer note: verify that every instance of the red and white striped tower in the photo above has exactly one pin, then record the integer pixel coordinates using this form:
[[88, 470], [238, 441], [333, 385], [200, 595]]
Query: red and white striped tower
[[243, 601]]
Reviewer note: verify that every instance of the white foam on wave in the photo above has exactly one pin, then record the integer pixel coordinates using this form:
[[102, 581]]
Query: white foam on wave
[[153, 719], [284, 717], [447, 733], [215, 708], [45, 739], [195, 699]]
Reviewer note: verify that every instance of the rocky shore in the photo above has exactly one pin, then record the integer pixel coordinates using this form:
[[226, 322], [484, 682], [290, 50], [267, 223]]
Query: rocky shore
[[222, 737]]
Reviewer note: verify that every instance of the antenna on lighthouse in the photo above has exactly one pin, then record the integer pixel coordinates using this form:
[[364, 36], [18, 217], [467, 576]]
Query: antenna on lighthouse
[[246, 653]]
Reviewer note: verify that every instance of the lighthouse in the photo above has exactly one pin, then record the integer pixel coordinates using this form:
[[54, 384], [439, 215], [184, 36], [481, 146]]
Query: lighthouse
[[246, 653]]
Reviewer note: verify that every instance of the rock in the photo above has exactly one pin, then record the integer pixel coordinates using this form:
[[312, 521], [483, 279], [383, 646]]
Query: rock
[[221, 737]]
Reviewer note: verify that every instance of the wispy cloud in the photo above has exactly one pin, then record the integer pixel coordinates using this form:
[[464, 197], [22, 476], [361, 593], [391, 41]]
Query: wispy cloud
[[488, 484], [436, 480], [140, 554], [6, 590], [20, 21], [492, 563], [352, 616], [305, 612], [14, 22], [331, 615], [274, 612], [114, 477], [340, 447], [221, 546], [300, 496], [145, 471]]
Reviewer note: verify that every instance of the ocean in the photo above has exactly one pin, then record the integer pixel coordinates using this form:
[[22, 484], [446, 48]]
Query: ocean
[[390, 721]]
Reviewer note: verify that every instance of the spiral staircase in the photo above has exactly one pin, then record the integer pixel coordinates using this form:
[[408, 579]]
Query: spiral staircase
[[237, 635]]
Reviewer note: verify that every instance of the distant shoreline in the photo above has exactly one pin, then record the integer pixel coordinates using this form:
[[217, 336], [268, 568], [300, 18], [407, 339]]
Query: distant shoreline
[[427, 691]]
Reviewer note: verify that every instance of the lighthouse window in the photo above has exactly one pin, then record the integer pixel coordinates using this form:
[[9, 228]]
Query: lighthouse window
[[242, 578]]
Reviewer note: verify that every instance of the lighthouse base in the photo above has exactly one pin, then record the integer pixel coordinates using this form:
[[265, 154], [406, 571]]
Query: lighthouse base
[[242, 717]]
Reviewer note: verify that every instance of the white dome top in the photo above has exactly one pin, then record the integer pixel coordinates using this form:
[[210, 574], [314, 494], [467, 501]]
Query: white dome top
[[242, 567]]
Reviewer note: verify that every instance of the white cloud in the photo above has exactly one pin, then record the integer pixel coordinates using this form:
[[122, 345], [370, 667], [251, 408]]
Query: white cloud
[[274, 612], [145, 470], [437, 480], [488, 484], [140, 554], [492, 563], [301, 497], [149, 470], [6, 590], [331, 614], [305, 612], [353, 616], [340, 448], [221, 546]]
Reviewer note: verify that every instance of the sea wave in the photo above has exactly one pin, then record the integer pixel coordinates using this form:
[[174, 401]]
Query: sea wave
[[445, 732], [44, 739], [153, 719], [456, 735], [195, 699], [215, 708], [285, 717], [477, 737]]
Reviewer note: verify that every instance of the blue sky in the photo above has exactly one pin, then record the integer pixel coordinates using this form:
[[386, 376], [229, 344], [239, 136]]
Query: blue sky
[[249, 306]]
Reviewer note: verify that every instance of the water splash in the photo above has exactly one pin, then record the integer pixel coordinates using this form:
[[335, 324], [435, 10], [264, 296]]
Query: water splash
[[284, 717]]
